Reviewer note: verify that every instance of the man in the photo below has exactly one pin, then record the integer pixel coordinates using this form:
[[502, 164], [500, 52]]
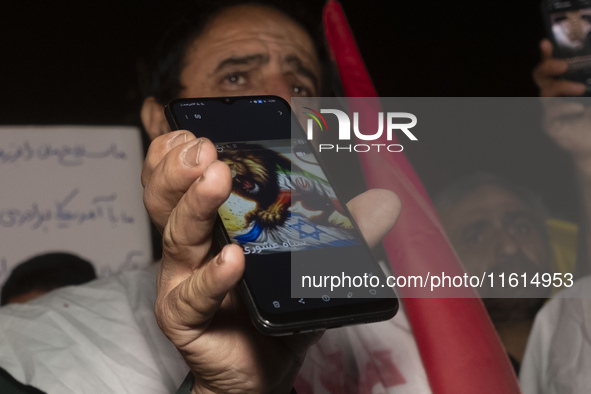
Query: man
[[499, 228], [559, 351], [245, 49]]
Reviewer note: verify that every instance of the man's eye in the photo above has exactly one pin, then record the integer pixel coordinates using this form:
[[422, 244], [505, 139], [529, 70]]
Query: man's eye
[[235, 79], [473, 238], [521, 228], [474, 235], [299, 90]]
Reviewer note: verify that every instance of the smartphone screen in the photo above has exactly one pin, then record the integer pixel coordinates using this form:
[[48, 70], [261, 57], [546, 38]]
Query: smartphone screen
[[283, 210], [276, 194], [568, 25]]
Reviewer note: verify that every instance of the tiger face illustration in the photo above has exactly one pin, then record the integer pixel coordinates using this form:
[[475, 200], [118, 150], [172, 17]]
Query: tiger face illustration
[[255, 176], [278, 187]]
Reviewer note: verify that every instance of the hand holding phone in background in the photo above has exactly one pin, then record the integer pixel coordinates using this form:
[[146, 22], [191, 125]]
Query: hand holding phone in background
[[566, 54], [549, 73]]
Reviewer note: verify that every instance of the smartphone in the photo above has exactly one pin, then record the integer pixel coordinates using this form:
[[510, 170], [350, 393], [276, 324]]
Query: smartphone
[[568, 26], [287, 216]]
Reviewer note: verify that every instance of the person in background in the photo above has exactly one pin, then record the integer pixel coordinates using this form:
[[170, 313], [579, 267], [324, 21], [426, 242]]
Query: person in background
[[497, 227], [558, 353], [568, 123], [44, 273]]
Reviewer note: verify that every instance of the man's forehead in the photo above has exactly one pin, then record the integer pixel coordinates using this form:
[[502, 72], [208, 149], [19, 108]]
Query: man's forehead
[[251, 27], [249, 45], [252, 15], [486, 202]]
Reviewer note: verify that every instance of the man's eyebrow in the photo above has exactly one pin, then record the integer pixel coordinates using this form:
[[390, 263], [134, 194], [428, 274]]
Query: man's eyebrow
[[299, 67], [537, 220], [522, 215], [477, 225], [242, 60]]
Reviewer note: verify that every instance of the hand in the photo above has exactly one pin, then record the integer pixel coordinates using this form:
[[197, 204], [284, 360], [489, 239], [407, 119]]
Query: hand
[[568, 123], [197, 307], [547, 75]]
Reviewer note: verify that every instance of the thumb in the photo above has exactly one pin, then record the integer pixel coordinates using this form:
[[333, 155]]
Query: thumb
[[196, 299]]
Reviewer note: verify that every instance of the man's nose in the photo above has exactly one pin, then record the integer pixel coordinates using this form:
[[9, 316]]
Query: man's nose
[[278, 86], [507, 245]]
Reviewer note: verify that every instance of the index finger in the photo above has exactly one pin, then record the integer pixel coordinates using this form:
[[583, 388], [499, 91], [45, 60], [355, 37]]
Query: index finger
[[546, 49], [549, 67], [171, 166]]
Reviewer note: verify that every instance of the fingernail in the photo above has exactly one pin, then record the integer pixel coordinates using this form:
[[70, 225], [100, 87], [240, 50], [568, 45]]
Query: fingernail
[[177, 140], [191, 157], [222, 258]]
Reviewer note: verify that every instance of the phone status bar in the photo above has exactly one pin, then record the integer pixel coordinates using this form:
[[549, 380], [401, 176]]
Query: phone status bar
[[263, 101], [191, 104]]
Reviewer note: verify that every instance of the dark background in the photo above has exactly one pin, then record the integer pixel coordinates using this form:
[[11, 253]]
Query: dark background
[[75, 62]]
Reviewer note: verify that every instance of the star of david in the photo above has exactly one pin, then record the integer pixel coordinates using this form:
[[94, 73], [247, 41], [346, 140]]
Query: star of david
[[301, 226]]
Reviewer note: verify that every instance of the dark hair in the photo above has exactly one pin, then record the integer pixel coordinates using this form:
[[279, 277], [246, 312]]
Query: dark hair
[[47, 272], [160, 74]]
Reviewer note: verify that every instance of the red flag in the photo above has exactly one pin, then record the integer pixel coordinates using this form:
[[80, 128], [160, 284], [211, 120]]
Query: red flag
[[460, 349]]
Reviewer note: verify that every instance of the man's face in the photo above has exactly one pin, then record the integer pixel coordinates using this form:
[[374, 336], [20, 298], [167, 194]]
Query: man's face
[[251, 50], [493, 231]]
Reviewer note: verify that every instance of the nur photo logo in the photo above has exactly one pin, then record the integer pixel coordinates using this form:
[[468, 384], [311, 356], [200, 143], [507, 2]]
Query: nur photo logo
[[344, 132]]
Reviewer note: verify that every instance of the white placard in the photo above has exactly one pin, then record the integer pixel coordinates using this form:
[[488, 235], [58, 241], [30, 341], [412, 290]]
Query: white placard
[[74, 189]]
